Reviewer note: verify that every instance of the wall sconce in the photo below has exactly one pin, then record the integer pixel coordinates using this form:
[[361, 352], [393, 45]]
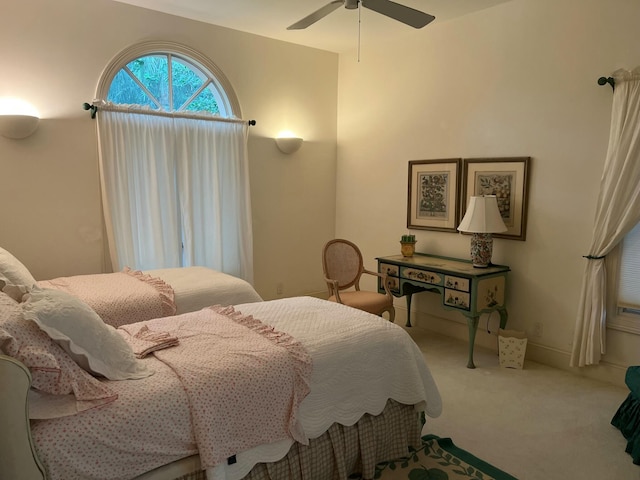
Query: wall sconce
[[18, 119], [481, 220], [287, 142]]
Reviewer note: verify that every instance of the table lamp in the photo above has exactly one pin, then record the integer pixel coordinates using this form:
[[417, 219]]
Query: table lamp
[[482, 219]]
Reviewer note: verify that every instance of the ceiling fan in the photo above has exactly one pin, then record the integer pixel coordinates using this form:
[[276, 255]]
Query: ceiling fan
[[401, 13]]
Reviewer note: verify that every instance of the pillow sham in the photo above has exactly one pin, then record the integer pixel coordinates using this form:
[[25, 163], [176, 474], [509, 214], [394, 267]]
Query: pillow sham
[[14, 271], [95, 346], [14, 291], [52, 371]]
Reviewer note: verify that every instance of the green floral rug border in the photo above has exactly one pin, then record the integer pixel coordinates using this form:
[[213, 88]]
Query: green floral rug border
[[444, 453]]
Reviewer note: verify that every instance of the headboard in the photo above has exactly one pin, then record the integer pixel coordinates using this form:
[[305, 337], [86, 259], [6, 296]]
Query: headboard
[[18, 458]]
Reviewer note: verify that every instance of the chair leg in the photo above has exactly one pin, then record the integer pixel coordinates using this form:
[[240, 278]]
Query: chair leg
[[392, 313]]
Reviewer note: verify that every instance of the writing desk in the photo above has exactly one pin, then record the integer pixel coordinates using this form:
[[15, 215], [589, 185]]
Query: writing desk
[[462, 287]]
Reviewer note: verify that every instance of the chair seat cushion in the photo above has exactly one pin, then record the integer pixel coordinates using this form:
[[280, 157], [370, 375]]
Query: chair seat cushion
[[371, 302]]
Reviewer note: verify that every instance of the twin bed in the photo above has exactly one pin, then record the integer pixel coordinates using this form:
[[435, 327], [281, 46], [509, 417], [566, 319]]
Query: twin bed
[[246, 389]]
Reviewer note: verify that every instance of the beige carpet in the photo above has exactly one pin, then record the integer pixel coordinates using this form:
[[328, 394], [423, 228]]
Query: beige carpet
[[538, 423]]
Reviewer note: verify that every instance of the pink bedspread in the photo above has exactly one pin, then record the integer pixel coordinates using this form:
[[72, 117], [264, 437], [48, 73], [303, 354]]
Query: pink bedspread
[[119, 298], [244, 380]]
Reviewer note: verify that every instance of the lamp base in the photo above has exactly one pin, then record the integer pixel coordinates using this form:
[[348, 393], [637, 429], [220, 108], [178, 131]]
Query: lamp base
[[481, 249]]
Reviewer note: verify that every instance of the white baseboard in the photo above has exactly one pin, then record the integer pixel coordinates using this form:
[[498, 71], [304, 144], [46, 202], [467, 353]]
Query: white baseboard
[[605, 372]]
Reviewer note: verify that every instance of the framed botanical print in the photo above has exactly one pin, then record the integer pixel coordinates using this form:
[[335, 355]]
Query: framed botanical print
[[433, 194], [507, 179]]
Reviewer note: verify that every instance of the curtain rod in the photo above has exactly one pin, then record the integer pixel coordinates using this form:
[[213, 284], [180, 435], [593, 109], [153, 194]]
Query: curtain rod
[[610, 80], [94, 110]]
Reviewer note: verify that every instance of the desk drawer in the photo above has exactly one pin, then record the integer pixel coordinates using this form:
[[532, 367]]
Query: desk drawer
[[393, 273], [456, 283], [457, 299], [423, 276], [391, 270], [394, 284]]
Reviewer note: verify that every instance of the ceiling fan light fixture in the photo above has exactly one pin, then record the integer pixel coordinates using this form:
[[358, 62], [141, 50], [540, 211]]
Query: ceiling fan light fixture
[[407, 15]]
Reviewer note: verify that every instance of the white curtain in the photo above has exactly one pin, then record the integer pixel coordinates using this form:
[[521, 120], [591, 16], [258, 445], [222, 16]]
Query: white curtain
[[617, 212], [176, 192]]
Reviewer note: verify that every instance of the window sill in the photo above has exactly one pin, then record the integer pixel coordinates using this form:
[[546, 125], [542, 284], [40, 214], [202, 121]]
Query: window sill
[[628, 323]]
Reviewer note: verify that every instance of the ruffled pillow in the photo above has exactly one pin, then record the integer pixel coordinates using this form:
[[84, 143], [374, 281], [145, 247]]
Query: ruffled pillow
[[52, 370], [95, 346], [14, 291]]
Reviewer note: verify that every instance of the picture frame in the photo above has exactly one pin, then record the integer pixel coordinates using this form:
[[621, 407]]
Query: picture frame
[[508, 179], [434, 194]]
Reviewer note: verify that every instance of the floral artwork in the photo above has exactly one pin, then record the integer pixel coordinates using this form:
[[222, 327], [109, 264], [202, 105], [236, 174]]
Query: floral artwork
[[434, 188], [507, 179], [490, 293], [434, 194], [500, 184]]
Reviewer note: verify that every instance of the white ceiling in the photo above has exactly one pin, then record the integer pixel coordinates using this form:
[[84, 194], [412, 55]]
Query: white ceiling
[[338, 32]]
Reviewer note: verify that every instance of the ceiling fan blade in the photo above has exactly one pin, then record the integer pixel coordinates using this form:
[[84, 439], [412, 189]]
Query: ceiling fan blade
[[317, 15], [407, 15]]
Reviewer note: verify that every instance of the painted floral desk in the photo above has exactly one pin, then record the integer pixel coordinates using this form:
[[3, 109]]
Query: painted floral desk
[[471, 291]]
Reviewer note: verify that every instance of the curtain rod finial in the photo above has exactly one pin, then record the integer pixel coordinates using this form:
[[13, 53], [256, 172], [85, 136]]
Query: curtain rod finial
[[604, 80], [93, 108]]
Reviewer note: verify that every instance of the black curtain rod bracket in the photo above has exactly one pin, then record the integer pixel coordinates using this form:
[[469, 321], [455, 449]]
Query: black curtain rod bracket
[[604, 80], [93, 108]]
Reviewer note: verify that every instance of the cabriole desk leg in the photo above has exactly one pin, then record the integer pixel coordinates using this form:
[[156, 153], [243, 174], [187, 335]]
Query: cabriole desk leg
[[473, 327], [408, 324]]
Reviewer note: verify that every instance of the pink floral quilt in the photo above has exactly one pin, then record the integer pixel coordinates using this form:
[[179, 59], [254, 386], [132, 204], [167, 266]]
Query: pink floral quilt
[[244, 379], [119, 298]]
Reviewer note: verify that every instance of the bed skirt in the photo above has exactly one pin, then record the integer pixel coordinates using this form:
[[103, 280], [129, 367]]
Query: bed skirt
[[627, 418], [342, 451]]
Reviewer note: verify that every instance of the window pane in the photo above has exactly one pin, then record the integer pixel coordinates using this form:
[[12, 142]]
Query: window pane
[[629, 289], [206, 101], [153, 73], [186, 82], [125, 91]]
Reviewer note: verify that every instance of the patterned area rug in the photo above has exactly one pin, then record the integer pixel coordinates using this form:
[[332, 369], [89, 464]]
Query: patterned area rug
[[439, 459]]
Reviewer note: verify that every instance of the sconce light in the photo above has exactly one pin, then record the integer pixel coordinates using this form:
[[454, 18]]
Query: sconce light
[[18, 119], [287, 142], [481, 220]]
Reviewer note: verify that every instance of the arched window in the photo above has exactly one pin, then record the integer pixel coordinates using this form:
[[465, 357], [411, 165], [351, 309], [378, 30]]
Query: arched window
[[168, 77], [167, 82], [173, 162]]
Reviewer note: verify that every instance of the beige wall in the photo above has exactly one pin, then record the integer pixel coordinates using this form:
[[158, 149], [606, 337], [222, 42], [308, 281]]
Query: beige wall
[[53, 55], [518, 79]]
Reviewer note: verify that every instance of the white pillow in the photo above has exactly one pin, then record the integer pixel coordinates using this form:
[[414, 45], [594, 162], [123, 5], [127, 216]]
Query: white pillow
[[95, 346], [14, 291], [14, 271]]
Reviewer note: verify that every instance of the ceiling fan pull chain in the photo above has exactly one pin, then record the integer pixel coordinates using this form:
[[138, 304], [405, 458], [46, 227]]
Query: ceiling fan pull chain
[[359, 23]]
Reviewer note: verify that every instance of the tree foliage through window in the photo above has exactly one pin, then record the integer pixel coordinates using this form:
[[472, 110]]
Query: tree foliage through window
[[165, 82]]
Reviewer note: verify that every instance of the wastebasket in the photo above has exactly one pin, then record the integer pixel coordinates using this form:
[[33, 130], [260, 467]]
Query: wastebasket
[[512, 347]]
